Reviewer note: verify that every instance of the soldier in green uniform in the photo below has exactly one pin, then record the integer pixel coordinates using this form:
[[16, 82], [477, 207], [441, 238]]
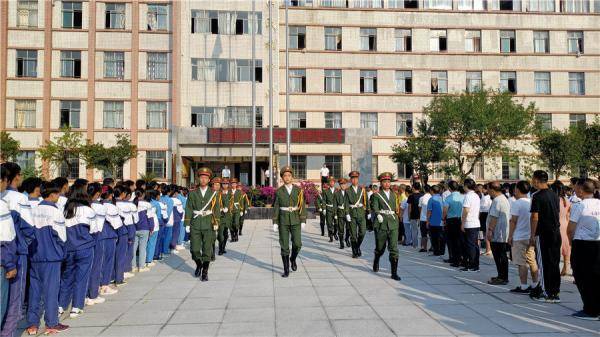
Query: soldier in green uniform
[[330, 209], [215, 185], [237, 210], [341, 206], [386, 223], [289, 218], [245, 205], [358, 207], [226, 215], [320, 208], [202, 216]]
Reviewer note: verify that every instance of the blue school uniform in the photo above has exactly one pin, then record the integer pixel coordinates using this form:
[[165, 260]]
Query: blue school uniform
[[8, 253], [47, 252], [163, 216], [115, 245], [168, 232], [154, 213], [176, 218], [97, 230], [128, 213], [182, 230]]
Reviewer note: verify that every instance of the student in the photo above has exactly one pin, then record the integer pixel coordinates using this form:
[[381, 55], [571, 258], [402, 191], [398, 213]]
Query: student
[[20, 211], [8, 251], [128, 213], [183, 198], [452, 215], [413, 212], [31, 187], [408, 238], [177, 216], [497, 231], [94, 190], [63, 185], [120, 197], [110, 235], [165, 198], [47, 253], [484, 209], [423, 217], [164, 215], [434, 224], [470, 226], [79, 217], [142, 231], [152, 197]]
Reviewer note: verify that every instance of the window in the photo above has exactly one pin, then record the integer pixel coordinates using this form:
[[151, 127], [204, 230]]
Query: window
[[71, 15], [576, 120], [26, 159], [241, 116], [507, 5], [469, 5], [27, 13], [225, 70], [243, 23], [333, 120], [156, 115], [297, 120], [114, 64], [541, 42], [297, 80], [298, 164], [544, 120], [204, 116], [244, 71], [70, 64], [368, 39], [540, 6], [507, 41], [437, 4], [200, 22], [575, 41], [368, 81], [403, 39], [368, 120], [473, 41], [334, 164], [156, 163], [300, 3], [26, 63], [114, 16], [71, 172], [576, 83], [333, 80], [113, 115], [404, 124], [69, 113], [226, 23], [404, 81], [510, 168], [158, 17], [297, 37], [404, 3], [575, 6], [542, 82], [404, 170], [158, 66], [25, 114], [473, 81], [333, 38], [374, 167], [334, 3], [437, 40], [508, 81], [439, 82], [368, 4]]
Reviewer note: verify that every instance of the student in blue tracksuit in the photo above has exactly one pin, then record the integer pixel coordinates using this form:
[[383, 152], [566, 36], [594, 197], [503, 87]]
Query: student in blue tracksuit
[[94, 190], [127, 212], [166, 191], [152, 197], [47, 252], [20, 210], [79, 218], [31, 187], [158, 251], [142, 231], [120, 196], [183, 198], [63, 186], [110, 233], [176, 218], [8, 252]]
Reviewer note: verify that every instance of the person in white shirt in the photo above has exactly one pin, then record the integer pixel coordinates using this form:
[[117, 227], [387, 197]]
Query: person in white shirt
[[470, 226], [324, 175], [423, 218], [523, 255], [225, 173], [484, 209], [584, 234], [408, 238]]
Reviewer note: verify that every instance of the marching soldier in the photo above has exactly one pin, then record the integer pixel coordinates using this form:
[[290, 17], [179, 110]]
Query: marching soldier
[[245, 205], [330, 209], [358, 208], [320, 207], [226, 215], [237, 209], [289, 218], [341, 206], [202, 216], [386, 224]]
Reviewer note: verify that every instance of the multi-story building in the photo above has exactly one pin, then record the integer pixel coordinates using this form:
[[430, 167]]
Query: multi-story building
[[177, 76]]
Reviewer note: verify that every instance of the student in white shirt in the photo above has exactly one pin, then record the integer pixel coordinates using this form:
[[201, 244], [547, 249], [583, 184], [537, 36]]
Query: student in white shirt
[[484, 209], [423, 218], [470, 226]]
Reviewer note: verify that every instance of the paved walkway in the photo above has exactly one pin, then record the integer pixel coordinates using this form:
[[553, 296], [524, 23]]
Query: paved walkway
[[331, 294]]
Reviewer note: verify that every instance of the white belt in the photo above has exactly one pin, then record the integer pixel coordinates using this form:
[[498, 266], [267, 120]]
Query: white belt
[[328, 205], [387, 212], [288, 209], [340, 207], [356, 206], [202, 213]]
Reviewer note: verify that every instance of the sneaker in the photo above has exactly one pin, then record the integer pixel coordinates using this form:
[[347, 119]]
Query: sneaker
[[143, 269], [580, 315], [473, 270], [174, 251], [497, 281], [120, 284], [464, 269], [552, 299], [108, 291], [536, 292], [60, 311], [180, 247], [151, 264], [32, 330], [538, 297], [99, 300], [56, 329], [89, 301], [519, 290], [75, 312], [127, 275]]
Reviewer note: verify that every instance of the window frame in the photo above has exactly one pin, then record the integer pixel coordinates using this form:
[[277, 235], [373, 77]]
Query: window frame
[[404, 124], [30, 7], [334, 79], [117, 108], [368, 122], [115, 12], [159, 108], [73, 109], [27, 63], [334, 33], [27, 109], [537, 78], [116, 62], [440, 82], [74, 58], [154, 14], [155, 66], [474, 81], [580, 82], [511, 37], [297, 37], [298, 164], [507, 82], [403, 82], [298, 75], [368, 38], [368, 76], [333, 120], [473, 43], [155, 159], [298, 119], [76, 14]]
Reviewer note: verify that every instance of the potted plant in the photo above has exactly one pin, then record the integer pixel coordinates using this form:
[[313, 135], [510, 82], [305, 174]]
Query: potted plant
[[268, 193]]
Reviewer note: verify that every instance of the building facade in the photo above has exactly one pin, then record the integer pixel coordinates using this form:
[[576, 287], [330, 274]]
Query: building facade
[[177, 76]]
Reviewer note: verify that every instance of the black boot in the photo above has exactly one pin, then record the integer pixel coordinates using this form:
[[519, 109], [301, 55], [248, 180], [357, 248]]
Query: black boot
[[212, 256], [220, 248], [198, 271], [205, 271], [341, 244], [376, 262], [354, 251], [286, 265], [293, 260], [358, 244], [240, 231], [330, 237], [232, 235], [224, 244], [335, 236], [394, 263]]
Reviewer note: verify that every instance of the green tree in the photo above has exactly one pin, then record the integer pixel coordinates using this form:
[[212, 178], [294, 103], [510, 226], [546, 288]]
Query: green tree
[[557, 150], [110, 160], [9, 147], [586, 153], [421, 150], [57, 152], [479, 124]]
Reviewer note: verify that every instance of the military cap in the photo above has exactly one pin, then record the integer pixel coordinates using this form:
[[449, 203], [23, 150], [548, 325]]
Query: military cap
[[385, 176], [342, 181], [233, 180], [285, 169], [354, 174], [331, 178], [216, 180], [205, 171], [225, 181]]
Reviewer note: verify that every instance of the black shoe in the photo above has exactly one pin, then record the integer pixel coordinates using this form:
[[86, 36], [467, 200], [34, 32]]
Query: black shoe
[[354, 251], [455, 265], [286, 265], [394, 265], [240, 232], [358, 250], [348, 242], [335, 236], [431, 249], [198, 270], [293, 260], [536, 293], [422, 250], [205, 271], [330, 238], [376, 263], [553, 299], [519, 290], [582, 315], [447, 260], [341, 244]]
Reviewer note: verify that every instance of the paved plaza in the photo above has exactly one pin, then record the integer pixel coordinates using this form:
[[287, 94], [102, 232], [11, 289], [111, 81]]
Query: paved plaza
[[331, 294]]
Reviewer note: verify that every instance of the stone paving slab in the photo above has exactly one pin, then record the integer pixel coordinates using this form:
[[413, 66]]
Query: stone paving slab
[[331, 294]]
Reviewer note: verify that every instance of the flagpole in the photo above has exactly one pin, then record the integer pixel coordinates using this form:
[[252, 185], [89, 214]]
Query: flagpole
[[287, 85], [254, 27], [270, 94]]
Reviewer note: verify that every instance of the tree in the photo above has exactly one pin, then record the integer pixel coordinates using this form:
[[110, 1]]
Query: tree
[[109, 159], [479, 124], [421, 150], [557, 150], [586, 153], [59, 151], [9, 147]]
